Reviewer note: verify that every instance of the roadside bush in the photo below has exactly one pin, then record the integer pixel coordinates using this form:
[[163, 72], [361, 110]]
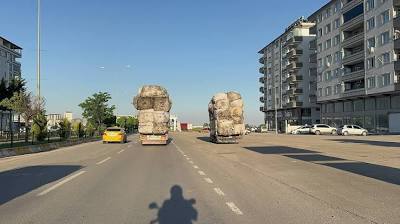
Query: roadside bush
[[90, 129], [78, 129], [65, 128], [39, 127]]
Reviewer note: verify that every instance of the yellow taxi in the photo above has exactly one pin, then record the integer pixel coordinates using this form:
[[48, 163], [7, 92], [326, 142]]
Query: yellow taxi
[[114, 134]]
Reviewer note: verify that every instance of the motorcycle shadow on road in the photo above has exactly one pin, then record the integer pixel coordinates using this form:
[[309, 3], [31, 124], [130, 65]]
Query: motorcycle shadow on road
[[20, 181], [175, 210]]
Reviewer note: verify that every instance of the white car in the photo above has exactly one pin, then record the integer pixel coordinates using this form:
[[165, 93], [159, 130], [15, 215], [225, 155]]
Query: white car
[[352, 130], [319, 129], [302, 130]]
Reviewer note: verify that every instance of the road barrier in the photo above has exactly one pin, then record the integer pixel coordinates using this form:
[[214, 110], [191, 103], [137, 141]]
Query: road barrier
[[6, 152]]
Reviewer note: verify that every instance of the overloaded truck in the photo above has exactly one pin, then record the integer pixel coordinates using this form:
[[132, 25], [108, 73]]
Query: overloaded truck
[[226, 117], [153, 105]]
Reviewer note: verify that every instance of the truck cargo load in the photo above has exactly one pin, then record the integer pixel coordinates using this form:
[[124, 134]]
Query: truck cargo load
[[153, 105], [226, 117]]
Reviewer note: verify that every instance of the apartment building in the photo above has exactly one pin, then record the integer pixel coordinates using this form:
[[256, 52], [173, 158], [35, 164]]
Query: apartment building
[[357, 68], [10, 68], [289, 77]]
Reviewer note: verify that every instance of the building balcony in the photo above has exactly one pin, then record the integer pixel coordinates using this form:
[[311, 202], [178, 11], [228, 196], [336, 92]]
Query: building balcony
[[262, 90], [295, 78], [294, 65], [293, 41], [353, 23], [354, 40], [294, 91], [353, 93], [294, 53], [353, 58], [261, 70], [294, 104], [397, 65], [262, 99], [262, 59], [262, 109], [350, 4], [353, 75], [261, 80]]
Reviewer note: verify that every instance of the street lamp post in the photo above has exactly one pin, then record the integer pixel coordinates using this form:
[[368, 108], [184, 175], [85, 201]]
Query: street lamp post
[[38, 52]]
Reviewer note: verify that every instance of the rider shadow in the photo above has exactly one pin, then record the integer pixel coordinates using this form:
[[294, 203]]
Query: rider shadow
[[175, 210]]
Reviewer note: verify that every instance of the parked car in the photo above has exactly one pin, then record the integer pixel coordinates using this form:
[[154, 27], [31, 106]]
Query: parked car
[[352, 130], [306, 129], [247, 131], [318, 129]]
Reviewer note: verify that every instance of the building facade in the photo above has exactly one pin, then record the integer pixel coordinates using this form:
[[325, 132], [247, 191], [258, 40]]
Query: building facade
[[357, 69], [289, 77], [10, 69]]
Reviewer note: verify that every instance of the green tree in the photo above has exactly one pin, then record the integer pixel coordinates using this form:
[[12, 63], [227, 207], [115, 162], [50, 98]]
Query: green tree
[[96, 109], [39, 127], [132, 123], [65, 128], [78, 129], [90, 129], [25, 105], [122, 122]]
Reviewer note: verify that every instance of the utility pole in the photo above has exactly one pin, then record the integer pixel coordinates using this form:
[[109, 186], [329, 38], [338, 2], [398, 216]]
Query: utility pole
[[38, 52]]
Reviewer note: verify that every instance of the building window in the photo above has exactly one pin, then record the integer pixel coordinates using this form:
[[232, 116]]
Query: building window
[[328, 44], [370, 4], [319, 92], [385, 38], [337, 23], [328, 75], [337, 6], [337, 89], [336, 40], [319, 18], [328, 28], [320, 32], [319, 77], [371, 42], [385, 17], [371, 82], [320, 62], [371, 63], [371, 23], [336, 72], [338, 56], [328, 12], [328, 91], [328, 60], [386, 58], [320, 48], [384, 80]]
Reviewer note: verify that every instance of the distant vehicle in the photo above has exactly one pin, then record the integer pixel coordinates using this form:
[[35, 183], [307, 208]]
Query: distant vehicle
[[319, 129], [306, 129], [263, 129], [352, 130], [247, 131], [114, 134]]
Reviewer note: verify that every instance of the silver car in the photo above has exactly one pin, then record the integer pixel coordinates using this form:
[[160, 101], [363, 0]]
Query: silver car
[[319, 129], [352, 130]]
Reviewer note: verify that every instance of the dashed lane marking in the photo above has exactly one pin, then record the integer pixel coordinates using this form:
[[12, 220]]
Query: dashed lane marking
[[191, 162], [219, 191], [103, 161], [208, 180], [187, 158], [234, 208], [202, 173], [121, 151], [196, 167], [66, 180]]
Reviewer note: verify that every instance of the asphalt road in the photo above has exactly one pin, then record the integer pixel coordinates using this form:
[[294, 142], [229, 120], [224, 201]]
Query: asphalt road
[[194, 181]]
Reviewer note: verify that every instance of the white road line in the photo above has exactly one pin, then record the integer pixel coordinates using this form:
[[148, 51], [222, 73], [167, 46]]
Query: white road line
[[187, 158], [196, 167], [184, 155], [219, 191], [104, 160], [234, 208], [202, 173], [61, 183], [191, 162], [121, 151], [208, 180]]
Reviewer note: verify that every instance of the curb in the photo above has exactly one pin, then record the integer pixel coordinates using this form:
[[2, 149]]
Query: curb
[[41, 147]]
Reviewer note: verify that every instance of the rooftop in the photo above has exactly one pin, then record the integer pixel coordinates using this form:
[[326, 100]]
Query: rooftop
[[11, 44]]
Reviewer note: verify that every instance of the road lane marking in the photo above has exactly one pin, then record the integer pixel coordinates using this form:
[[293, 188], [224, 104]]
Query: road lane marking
[[187, 158], [196, 167], [184, 155], [121, 151], [61, 183], [202, 173], [208, 180], [191, 162], [234, 208], [219, 191], [103, 161]]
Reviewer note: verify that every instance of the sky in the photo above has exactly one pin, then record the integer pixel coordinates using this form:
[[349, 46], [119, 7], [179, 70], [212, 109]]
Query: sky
[[193, 48]]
